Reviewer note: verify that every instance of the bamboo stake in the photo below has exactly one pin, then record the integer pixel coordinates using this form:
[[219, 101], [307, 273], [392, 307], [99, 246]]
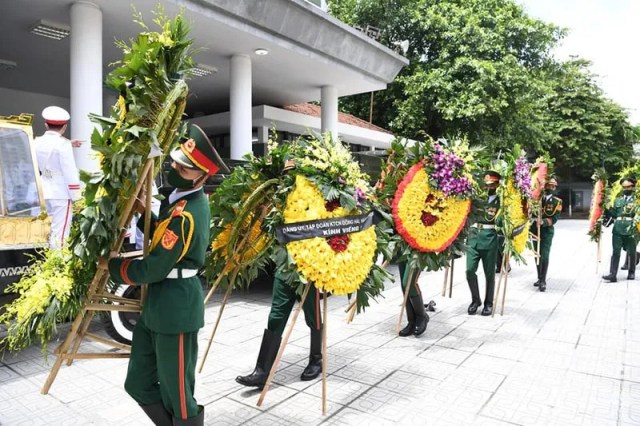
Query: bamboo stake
[[324, 357], [215, 327], [504, 291], [539, 236], [97, 285], [451, 279], [274, 368], [352, 309], [497, 290], [446, 278], [146, 245], [213, 288], [406, 296], [72, 334], [599, 252]]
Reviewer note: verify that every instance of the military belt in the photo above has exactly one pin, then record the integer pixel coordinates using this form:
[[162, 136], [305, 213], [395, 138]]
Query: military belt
[[177, 273], [625, 218], [483, 226]]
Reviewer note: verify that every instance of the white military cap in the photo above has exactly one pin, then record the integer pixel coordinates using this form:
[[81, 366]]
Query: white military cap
[[55, 116]]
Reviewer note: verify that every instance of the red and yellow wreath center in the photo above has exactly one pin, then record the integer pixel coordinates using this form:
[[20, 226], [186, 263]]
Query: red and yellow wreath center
[[338, 264], [426, 219]]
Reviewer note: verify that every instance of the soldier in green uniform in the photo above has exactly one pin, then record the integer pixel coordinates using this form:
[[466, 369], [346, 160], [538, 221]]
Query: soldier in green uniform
[[483, 244], [161, 373], [417, 317], [283, 298], [624, 232], [551, 208]]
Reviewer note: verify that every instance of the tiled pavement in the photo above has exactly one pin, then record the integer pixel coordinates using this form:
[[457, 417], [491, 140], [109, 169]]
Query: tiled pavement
[[570, 356]]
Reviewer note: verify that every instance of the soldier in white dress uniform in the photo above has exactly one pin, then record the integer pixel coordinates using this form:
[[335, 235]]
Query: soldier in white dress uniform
[[60, 177]]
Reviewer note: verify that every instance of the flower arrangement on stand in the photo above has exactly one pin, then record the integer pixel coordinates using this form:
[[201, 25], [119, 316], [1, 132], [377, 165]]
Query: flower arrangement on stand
[[515, 193], [540, 171], [144, 123], [598, 198], [310, 187], [430, 185]]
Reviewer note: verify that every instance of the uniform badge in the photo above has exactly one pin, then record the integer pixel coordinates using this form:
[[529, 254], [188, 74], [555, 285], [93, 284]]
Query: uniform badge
[[189, 145], [177, 210], [169, 239]]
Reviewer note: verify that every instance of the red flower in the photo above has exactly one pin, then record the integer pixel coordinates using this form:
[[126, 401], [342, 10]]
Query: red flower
[[332, 205], [428, 219], [339, 243]]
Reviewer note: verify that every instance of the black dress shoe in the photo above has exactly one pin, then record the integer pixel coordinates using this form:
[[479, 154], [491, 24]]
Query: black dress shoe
[[631, 276], [536, 284], [486, 311], [408, 330], [543, 286], [421, 325], [473, 308], [314, 368], [610, 278]]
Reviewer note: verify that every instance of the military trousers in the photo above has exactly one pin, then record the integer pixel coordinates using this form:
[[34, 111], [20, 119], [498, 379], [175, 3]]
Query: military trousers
[[162, 369], [407, 279], [628, 242], [283, 298], [546, 238], [488, 257]]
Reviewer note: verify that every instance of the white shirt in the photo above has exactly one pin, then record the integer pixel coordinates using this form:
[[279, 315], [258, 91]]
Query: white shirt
[[175, 195], [60, 177]]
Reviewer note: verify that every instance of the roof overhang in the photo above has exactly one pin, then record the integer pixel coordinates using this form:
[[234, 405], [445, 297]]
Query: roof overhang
[[297, 123], [307, 48]]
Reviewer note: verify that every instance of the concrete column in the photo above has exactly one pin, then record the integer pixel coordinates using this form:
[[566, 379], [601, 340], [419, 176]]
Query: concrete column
[[86, 77], [240, 106], [329, 118]]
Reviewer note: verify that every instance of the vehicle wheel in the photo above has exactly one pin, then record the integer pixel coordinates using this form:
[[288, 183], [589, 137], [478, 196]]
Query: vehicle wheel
[[119, 324]]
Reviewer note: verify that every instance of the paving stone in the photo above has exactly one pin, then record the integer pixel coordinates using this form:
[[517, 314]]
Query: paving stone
[[569, 356]]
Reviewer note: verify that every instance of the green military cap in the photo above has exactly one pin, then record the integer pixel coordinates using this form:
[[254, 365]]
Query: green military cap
[[491, 176], [197, 152], [628, 179]]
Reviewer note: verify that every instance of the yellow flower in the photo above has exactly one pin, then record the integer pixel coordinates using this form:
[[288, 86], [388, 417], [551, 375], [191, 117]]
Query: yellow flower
[[426, 219], [254, 245], [330, 271], [517, 215]]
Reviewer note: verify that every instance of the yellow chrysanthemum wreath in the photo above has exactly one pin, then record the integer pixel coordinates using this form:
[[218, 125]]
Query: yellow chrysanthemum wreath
[[331, 271], [426, 219], [518, 216], [256, 242]]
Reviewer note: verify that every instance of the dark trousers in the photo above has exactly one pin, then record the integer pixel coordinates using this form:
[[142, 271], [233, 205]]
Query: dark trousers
[[404, 280], [628, 242], [283, 299], [488, 258], [162, 369]]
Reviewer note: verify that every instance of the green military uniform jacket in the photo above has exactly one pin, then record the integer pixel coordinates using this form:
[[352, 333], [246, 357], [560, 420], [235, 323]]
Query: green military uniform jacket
[[624, 210], [485, 239], [551, 208], [180, 240]]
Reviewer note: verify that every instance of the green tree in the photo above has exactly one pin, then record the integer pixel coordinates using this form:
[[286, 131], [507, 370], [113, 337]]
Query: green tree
[[585, 129], [476, 69]]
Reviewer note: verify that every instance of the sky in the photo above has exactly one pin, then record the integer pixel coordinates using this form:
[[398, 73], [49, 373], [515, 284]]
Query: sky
[[606, 32]]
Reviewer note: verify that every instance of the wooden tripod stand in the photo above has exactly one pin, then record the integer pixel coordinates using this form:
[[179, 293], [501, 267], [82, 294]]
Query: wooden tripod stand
[[98, 293]]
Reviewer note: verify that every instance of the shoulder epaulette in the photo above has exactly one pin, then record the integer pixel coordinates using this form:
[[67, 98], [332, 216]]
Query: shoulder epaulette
[[178, 208]]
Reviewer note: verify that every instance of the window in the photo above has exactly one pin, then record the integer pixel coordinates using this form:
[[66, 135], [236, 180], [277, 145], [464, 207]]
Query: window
[[18, 189]]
